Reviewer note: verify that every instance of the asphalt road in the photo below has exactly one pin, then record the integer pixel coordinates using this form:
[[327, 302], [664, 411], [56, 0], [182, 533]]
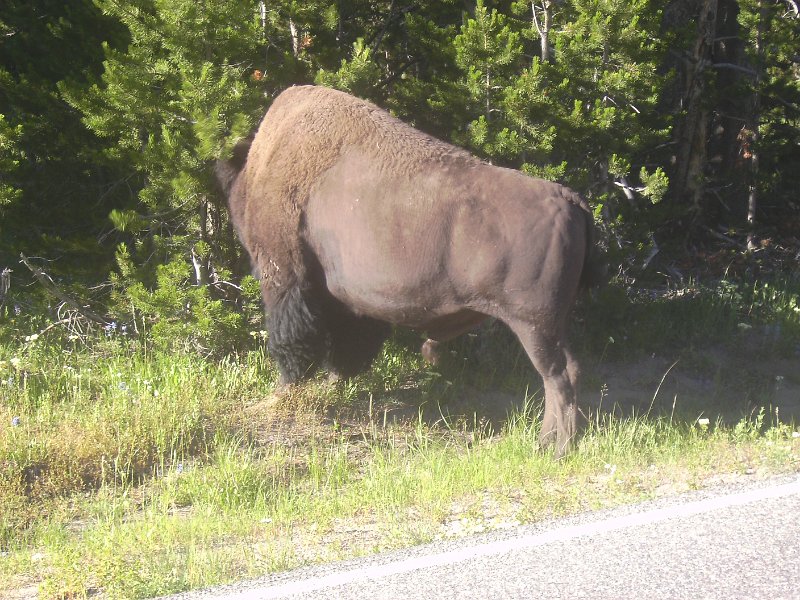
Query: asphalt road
[[735, 542]]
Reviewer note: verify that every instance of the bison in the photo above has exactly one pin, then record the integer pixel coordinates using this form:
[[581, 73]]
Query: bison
[[355, 221]]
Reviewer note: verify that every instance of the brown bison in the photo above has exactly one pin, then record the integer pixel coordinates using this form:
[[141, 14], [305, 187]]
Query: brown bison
[[355, 221]]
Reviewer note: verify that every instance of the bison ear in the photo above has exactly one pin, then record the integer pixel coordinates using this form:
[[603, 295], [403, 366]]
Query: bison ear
[[226, 170]]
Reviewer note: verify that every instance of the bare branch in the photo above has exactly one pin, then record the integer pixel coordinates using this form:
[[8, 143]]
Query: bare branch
[[51, 287], [628, 189], [33, 337], [5, 284], [726, 238], [535, 19], [734, 67]]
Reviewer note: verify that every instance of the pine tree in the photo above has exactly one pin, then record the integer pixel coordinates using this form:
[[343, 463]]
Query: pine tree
[[488, 51], [188, 85], [604, 85], [9, 160], [767, 139], [568, 92], [169, 100], [57, 189], [399, 54], [426, 88]]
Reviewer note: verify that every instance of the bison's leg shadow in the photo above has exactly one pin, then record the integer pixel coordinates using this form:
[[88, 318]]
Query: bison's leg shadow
[[431, 351], [299, 340], [355, 340], [559, 370]]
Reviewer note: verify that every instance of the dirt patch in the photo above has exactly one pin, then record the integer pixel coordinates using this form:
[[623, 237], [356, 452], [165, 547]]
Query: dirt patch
[[713, 383], [30, 592]]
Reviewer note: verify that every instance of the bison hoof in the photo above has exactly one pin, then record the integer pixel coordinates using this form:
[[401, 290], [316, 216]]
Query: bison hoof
[[549, 442]]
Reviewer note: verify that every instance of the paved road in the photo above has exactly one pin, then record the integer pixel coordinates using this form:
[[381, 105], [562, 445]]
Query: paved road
[[734, 542]]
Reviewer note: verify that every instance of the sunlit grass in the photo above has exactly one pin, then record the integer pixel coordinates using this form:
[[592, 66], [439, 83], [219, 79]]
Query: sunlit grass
[[248, 511]]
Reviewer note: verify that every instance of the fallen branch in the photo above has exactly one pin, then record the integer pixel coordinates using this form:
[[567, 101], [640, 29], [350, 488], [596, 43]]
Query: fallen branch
[[36, 336], [51, 287], [5, 285], [726, 239]]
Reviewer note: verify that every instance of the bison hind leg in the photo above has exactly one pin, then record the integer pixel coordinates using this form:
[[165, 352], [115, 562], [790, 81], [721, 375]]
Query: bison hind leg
[[299, 340], [553, 360], [355, 340]]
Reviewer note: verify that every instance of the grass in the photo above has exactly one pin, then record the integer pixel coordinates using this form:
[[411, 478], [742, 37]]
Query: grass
[[133, 473]]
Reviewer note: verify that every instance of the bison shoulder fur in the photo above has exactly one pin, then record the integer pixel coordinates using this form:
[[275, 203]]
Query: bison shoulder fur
[[355, 221]]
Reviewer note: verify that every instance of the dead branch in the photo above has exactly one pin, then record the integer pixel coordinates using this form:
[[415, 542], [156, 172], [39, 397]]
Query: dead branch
[[726, 239], [51, 287], [35, 336], [5, 284], [734, 67]]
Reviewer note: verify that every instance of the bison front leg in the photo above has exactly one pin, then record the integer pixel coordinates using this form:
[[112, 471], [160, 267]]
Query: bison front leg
[[355, 341], [559, 371], [299, 340]]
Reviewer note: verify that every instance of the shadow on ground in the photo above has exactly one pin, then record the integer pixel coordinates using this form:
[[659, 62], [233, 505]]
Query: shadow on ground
[[725, 382]]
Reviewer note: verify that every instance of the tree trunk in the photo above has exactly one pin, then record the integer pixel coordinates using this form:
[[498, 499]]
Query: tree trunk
[[692, 131], [295, 34], [753, 125], [543, 28]]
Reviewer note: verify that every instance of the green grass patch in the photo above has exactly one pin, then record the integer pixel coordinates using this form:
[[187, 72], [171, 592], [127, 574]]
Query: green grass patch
[[248, 510]]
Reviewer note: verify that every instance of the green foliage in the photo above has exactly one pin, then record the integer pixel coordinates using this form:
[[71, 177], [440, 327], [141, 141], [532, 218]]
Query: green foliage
[[359, 75], [127, 220], [55, 185], [655, 184], [771, 37], [487, 51], [171, 97], [177, 315], [114, 110], [9, 159], [182, 87]]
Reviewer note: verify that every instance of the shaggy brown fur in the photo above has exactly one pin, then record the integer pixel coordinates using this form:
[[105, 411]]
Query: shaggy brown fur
[[354, 221]]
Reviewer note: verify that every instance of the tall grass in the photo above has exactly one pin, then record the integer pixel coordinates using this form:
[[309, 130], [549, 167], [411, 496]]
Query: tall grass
[[71, 425]]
